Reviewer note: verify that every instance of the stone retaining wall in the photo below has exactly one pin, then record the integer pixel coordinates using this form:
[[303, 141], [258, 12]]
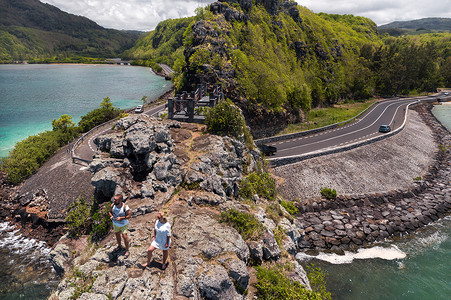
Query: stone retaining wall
[[357, 220]]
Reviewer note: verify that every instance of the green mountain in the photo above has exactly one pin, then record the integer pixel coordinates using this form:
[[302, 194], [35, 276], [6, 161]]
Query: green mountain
[[420, 26], [276, 60], [30, 30]]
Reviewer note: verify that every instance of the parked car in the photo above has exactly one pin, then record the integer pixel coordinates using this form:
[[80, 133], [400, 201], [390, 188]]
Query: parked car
[[139, 109], [267, 150], [384, 128]]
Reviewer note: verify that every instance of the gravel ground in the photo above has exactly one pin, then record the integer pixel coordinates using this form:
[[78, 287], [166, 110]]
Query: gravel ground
[[386, 165]]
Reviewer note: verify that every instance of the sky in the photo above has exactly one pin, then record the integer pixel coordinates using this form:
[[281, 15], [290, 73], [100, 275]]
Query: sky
[[144, 15]]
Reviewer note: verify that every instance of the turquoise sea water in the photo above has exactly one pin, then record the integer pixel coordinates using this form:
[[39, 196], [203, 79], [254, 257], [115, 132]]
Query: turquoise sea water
[[413, 267], [31, 96]]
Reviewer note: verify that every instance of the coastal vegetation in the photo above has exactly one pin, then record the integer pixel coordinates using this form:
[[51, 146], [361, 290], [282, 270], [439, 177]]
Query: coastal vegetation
[[226, 119], [245, 223], [287, 61], [328, 193], [258, 183], [31, 153], [273, 283], [85, 217]]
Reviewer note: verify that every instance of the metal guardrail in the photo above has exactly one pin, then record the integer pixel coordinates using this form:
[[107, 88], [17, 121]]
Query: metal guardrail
[[316, 130], [280, 161], [81, 139]]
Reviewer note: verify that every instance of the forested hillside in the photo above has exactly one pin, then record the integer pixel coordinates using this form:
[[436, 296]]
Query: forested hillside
[[32, 30], [277, 60], [414, 27]]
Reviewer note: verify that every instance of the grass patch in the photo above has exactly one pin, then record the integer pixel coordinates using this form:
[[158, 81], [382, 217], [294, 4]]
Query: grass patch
[[317, 279], [274, 212], [245, 223], [81, 282], [272, 283], [328, 193], [260, 183], [320, 117], [289, 207]]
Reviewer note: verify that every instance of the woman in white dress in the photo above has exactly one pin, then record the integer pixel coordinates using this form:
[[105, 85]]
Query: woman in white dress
[[161, 240]]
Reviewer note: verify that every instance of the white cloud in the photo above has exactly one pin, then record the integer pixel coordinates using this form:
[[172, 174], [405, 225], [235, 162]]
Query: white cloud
[[383, 11], [141, 15], [145, 14]]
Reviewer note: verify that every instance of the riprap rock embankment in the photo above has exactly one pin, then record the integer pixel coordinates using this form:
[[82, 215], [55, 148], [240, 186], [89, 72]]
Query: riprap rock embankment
[[353, 220]]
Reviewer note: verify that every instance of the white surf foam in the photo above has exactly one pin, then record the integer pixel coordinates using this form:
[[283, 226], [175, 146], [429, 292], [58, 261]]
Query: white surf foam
[[11, 239], [387, 253]]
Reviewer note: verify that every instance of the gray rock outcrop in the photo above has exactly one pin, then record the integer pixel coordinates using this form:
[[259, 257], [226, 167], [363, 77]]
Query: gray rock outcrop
[[195, 176]]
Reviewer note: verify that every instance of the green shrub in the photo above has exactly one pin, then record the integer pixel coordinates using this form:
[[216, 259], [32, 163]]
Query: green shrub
[[98, 116], [328, 193], [101, 223], [260, 183], [245, 223], [273, 284], [225, 119], [81, 282], [78, 217], [84, 218], [31, 153], [289, 207], [317, 279]]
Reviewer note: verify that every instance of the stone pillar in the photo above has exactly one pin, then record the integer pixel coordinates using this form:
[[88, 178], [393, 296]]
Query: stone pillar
[[170, 108], [190, 110]]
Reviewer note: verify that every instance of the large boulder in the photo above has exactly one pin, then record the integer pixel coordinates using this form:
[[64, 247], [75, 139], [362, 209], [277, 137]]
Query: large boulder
[[215, 284], [59, 258]]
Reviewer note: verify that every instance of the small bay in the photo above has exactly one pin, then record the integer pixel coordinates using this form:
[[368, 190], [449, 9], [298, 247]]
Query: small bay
[[31, 96]]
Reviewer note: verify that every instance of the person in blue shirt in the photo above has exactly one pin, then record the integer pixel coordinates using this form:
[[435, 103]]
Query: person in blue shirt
[[120, 213]]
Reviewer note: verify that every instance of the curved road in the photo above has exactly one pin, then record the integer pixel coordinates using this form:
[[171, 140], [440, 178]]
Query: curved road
[[390, 112], [87, 148]]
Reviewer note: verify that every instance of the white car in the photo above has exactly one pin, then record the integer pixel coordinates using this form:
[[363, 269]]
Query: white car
[[139, 109]]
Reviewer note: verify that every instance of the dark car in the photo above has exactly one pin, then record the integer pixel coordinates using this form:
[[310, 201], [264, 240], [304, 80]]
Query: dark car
[[384, 128], [267, 150]]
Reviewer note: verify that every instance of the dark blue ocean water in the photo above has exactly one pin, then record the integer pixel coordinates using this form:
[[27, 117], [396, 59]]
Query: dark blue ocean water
[[31, 96]]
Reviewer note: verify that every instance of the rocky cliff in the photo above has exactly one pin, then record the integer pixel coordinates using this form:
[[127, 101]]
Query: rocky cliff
[[193, 176]]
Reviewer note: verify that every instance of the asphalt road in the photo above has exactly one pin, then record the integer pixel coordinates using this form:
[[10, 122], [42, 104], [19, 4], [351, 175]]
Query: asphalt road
[[390, 112], [87, 148]]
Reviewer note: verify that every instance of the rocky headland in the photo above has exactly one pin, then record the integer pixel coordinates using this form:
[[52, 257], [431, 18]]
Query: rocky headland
[[193, 176], [385, 189]]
